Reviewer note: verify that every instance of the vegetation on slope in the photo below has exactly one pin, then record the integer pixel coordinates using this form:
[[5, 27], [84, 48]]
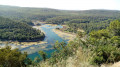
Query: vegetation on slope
[[10, 30], [87, 20], [101, 47], [106, 44], [87, 23]]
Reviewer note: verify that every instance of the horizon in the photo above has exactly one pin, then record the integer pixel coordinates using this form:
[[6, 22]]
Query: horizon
[[56, 8], [66, 5]]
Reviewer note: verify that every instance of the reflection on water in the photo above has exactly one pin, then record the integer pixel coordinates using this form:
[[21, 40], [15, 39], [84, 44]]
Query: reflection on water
[[49, 40]]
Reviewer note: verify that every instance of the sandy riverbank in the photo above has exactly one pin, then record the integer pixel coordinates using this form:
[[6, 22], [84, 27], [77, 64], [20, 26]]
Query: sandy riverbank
[[35, 22], [23, 44], [52, 24], [38, 27], [64, 35]]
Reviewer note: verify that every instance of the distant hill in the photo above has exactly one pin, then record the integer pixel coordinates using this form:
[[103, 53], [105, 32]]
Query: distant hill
[[84, 19], [22, 12], [25, 12]]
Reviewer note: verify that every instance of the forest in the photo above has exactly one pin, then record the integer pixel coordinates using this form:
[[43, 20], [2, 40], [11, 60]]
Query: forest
[[18, 31]]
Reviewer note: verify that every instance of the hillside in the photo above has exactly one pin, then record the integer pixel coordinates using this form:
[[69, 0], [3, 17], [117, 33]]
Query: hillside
[[87, 20], [48, 11], [98, 49], [10, 30], [28, 12]]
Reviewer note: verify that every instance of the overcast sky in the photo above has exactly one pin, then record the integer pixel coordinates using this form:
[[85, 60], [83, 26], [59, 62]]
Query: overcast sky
[[66, 4]]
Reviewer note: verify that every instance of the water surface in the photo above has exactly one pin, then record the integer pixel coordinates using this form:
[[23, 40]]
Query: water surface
[[50, 38]]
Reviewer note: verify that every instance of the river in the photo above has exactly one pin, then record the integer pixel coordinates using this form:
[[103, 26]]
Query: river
[[50, 38]]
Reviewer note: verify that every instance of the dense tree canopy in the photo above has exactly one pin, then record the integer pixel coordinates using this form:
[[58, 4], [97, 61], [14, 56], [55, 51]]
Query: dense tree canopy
[[87, 23], [10, 30], [12, 58], [107, 44], [115, 27]]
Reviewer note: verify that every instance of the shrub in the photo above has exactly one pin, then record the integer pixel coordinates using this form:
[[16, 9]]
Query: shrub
[[105, 54]]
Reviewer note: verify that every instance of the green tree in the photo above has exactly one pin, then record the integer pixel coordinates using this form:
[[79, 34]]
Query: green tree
[[43, 55], [105, 54], [115, 27], [100, 33], [12, 58]]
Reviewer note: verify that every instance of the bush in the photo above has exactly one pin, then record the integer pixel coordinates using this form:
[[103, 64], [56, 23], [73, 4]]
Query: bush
[[61, 52], [12, 58], [105, 54]]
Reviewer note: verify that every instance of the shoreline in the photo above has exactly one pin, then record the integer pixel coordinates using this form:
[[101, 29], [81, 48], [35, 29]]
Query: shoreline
[[25, 44], [38, 27], [64, 35], [22, 43]]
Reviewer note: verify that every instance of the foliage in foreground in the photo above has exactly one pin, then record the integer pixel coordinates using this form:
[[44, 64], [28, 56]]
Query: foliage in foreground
[[105, 44], [43, 55], [13, 58]]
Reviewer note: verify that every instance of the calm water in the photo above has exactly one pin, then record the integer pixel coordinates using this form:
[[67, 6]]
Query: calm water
[[50, 38]]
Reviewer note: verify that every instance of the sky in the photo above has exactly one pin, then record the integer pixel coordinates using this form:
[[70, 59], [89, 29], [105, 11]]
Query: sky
[[66, 4]]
